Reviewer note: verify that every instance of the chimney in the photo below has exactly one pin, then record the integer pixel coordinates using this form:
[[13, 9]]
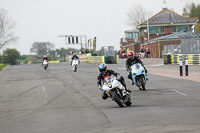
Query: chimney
[[164, 5]]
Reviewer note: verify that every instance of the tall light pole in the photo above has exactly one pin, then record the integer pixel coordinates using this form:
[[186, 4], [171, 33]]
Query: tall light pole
[[148, 29]]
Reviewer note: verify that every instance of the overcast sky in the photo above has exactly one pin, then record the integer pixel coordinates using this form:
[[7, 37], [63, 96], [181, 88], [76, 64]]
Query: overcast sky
[[45, 20]]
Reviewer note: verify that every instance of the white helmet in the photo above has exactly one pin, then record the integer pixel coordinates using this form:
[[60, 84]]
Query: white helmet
[[45, 55]]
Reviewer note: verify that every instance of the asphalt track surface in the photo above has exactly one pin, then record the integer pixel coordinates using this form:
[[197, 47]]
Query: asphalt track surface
[[58, 100]]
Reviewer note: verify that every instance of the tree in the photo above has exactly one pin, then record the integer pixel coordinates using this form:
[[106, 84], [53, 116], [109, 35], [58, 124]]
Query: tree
[[186, 10], [41, 48], [194, 11], [52, 53], [6, 29], [137, 15], [61, 52], [10, 56]]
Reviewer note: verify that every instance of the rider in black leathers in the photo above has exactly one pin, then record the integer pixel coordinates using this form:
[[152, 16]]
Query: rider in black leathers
[[75, 57], [104, 71], [133, 60]]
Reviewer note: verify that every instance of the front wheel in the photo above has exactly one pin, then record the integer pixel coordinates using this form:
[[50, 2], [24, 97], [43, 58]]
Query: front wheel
[[128, 102], [142, 83], [117, 99], [75, 68], [45, 67]]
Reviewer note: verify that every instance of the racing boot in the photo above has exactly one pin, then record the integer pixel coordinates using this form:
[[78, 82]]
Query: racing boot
[[130, 77], [129, 91]]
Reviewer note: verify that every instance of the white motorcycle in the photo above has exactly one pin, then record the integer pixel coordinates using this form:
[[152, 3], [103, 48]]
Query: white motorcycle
[[139, 76], [75, 63], [116, 91], [45, 64], [142, 55]]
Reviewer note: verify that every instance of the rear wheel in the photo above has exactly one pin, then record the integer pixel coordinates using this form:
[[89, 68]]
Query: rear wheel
[[142, 83], [117, 98]]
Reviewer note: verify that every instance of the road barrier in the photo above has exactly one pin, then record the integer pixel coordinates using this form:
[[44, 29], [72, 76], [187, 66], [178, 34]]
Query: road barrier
[[96, 59], [29, 62], [103, 59], [174, 59]]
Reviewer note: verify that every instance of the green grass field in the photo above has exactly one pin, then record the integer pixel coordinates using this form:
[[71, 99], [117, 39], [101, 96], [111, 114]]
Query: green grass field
[[2, 66]]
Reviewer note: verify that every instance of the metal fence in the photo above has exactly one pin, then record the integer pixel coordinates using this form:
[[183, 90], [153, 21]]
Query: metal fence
[[107, 51], [171, 49], [190, 46], [190, 43]]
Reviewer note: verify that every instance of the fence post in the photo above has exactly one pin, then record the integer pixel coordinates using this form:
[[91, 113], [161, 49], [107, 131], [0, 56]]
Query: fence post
[[181, 67], [186, 65]]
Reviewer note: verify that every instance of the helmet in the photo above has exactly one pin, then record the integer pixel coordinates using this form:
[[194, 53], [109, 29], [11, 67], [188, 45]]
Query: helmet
[[130, 55], [45, 55], [74, 54], [103, 67]]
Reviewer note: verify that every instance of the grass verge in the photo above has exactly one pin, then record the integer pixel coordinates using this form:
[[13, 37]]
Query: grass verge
[[2, 66]]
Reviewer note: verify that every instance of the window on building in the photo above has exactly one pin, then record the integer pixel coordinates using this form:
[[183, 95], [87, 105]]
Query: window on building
[[135, 37], [183, 27], [174, 29], [142, 32], [162, 29], [129, 35], [155, 30]]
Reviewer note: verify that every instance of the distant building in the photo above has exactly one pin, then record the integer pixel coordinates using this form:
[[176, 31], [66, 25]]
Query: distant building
[[164, 23], [130, 40]]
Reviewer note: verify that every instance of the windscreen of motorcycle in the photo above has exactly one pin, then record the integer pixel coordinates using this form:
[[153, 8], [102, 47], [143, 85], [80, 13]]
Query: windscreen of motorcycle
[[136, 66]]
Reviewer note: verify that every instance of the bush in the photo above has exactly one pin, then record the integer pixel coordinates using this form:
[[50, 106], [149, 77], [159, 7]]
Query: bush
[[54, 59]]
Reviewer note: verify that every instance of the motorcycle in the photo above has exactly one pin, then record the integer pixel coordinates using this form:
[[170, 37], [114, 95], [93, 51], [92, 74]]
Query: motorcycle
[[75, 65], [142, 55], [45, 64], [116, 91], [139, 76]]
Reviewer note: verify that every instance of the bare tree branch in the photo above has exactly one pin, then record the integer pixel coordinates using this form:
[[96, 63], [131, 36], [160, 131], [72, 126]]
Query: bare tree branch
[[137, 15], [6, 29]]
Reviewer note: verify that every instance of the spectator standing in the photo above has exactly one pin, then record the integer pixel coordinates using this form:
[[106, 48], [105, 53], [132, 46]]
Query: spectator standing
[[127, 50]]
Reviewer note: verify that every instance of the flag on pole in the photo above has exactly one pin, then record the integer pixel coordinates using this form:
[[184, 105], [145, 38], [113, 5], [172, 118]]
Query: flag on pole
[[90, 43], [94, 44]]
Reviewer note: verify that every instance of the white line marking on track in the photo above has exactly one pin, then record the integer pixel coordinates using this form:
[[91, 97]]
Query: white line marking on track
[[43, 89], [179, 92]]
